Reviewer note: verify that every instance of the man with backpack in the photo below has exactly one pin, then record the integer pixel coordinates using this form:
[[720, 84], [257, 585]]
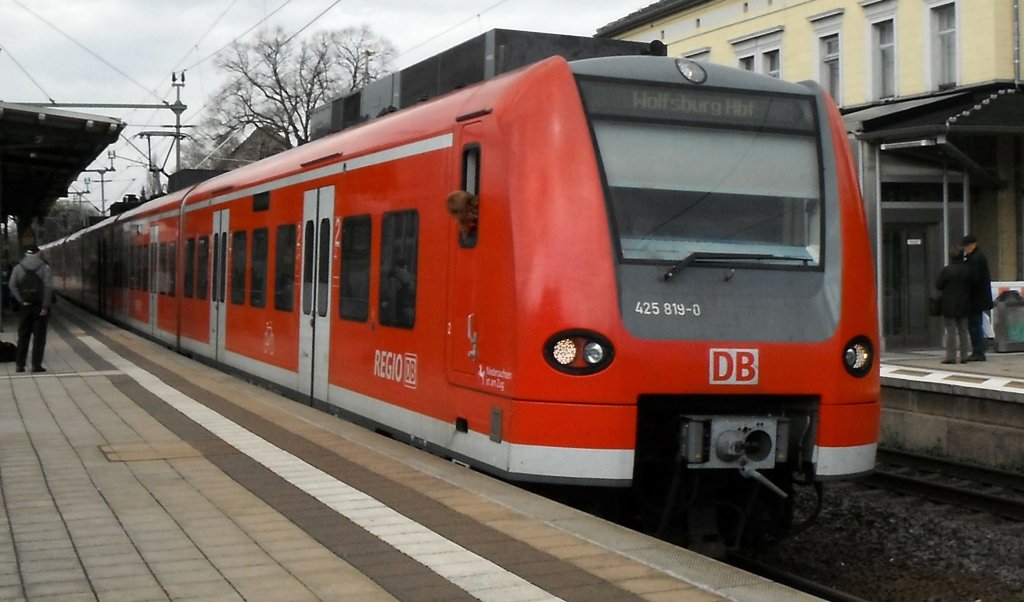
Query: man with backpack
[[31, 285]]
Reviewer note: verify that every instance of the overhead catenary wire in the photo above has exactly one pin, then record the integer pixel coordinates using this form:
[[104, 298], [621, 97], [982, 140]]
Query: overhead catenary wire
[[450, 29], [8, 52], [85, 48]]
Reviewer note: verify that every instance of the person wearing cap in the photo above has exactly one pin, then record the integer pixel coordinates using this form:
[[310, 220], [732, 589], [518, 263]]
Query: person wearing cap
[[980, 296], [31, 285]]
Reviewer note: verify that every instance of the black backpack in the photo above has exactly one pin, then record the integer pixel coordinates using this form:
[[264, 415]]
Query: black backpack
[[31, 287]]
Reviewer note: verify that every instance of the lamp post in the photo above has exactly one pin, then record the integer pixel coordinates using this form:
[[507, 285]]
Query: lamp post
[[178, 108]]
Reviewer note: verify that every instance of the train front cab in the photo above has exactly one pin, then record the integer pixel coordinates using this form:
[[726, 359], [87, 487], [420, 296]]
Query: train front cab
[[738, 352]]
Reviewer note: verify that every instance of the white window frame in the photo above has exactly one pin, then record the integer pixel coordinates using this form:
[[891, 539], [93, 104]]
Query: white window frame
[[700, 54], [877, 12], [760, 46], [932, 46], [826, 26]]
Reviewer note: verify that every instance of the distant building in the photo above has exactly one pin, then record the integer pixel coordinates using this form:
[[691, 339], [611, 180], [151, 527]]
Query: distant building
[[932, 97], [260, 144]]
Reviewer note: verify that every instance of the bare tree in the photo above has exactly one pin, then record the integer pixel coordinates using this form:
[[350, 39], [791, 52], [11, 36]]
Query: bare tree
[[277, 81]]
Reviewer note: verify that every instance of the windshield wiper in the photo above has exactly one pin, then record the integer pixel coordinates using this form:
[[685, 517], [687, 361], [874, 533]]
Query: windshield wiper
[[711, 256]]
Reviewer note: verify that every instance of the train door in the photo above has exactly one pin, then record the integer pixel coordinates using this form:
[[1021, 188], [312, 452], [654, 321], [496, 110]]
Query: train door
[[464, 305], [154, 277], [218, 285], [315, 322]]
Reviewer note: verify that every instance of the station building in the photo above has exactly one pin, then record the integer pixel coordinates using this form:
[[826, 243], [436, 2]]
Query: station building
[[931, 94]]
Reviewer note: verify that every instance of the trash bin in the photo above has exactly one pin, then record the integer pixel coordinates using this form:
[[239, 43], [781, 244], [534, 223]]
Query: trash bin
[[1008, 322]]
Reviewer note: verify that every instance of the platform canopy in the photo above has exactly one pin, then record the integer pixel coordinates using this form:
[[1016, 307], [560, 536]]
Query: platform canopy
[[42, 151]]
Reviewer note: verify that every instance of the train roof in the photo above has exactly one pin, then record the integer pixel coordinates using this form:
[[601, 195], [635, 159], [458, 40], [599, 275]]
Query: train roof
[[667, 69], [417, 122], [437, 115]]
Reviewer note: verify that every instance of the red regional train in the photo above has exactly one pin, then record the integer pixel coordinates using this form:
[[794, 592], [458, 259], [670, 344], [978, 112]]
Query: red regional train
[[668, 288]]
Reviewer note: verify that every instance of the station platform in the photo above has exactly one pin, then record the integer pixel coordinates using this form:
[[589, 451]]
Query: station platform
[[999, 373], [129, 472]]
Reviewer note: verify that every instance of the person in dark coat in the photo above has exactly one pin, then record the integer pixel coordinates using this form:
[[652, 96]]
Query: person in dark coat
[[954, 285], [981, 295], [35, 311]]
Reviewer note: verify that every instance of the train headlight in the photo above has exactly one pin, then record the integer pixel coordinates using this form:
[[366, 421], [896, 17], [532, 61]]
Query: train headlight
[[564, 352], [859, 356], [578, 352], [692, 70], [593, 353]]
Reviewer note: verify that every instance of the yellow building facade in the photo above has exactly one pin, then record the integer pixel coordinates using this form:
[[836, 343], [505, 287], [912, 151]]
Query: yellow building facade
[[982, 34], [932, 98]]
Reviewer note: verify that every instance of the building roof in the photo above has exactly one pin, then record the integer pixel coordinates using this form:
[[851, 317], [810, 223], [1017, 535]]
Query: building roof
[[997, 109], [959, 126], [42, 151], [646, 15]]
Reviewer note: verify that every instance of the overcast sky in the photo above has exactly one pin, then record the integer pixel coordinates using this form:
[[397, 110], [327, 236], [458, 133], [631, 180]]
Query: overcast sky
[[123, 51]]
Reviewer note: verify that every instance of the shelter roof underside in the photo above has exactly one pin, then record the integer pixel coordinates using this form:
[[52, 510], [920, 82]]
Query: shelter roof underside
[[42, 151]]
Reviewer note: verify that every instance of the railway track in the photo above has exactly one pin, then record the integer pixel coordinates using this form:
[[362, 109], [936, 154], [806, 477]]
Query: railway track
[[995, 492]]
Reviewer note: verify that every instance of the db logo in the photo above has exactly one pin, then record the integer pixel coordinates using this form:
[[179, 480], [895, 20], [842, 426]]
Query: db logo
[[733, 367]]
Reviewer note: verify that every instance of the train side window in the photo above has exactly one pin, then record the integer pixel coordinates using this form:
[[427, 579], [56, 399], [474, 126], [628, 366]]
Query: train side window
[[239, 241], [258, 270], [161, 272], [140, 260], [202, 267], [131, 267], [308, 238], [190, 267], [323, 269], [355, 268], [220, 266], [398, 268], [172, 267], [261, 201], [284, 268], [148, 265], [471, 184]]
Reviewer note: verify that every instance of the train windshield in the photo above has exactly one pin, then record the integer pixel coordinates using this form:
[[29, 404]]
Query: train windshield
[[709, 172]]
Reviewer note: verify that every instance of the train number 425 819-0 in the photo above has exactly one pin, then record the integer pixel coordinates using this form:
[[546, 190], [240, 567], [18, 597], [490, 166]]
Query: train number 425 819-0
[[658, 308]]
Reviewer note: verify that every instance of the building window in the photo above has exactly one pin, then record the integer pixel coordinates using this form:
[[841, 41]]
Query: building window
[[944, 46], [772, 63], [828, 54], [884, 59], [830, 65], [760, 52]]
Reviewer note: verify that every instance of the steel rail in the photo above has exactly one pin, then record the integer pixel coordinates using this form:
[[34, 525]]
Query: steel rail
[[965, 496]]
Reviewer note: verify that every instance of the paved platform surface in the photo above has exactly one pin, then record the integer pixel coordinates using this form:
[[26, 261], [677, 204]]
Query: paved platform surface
[[1000, 375], [129, 472]]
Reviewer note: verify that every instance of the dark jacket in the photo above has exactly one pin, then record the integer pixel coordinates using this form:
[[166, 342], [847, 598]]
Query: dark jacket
[[981, 287], [955, 282]]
